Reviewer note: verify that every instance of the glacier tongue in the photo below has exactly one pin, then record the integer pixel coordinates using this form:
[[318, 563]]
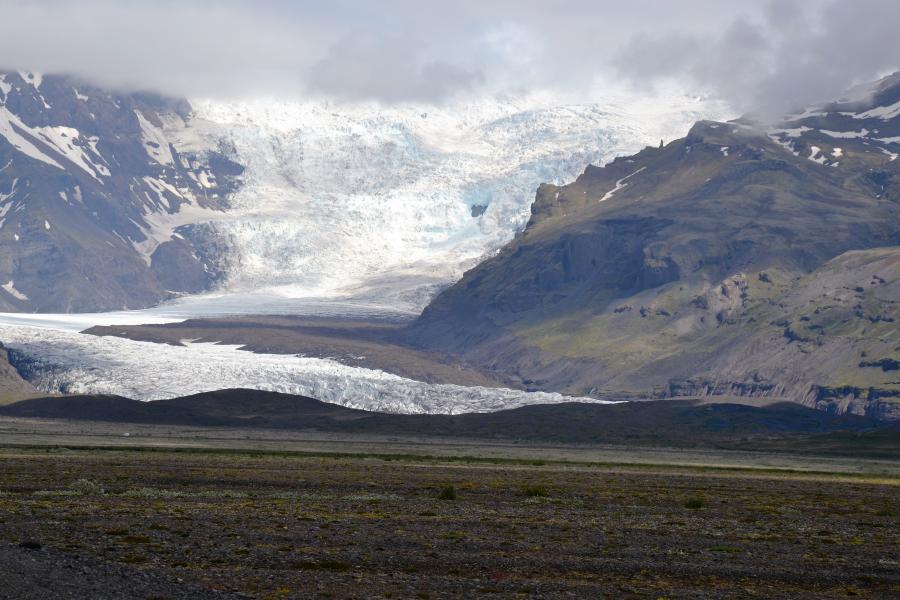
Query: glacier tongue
[[70, 362], [395, 202]]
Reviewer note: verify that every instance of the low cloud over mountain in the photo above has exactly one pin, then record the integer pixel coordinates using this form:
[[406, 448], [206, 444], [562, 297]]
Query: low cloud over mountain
[[760, 57]]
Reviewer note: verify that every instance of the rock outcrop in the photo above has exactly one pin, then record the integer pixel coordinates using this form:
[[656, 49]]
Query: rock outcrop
[[12, 386]]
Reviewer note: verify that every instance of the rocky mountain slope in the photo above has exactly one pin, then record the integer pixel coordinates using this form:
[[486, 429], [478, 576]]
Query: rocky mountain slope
[[12, 386], [739, 260], [98, 191]]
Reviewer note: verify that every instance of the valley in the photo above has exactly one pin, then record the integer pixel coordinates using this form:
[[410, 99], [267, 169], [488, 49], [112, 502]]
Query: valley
[[429, 300], [279, 208], [290, 199], [740, 263]]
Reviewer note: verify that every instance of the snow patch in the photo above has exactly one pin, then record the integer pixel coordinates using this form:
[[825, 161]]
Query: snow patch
[[885, 113], [846, 134], [10, 127], [814, 152], [12, 190], [159, 226], [33, 77], [154, 141], [66, 141], [4, 209], [892, 155], [619, 185], [10, 289], [786, 144], [794, 132]]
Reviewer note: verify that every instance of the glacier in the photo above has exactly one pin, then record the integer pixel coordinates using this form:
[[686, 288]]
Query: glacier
[[75, 363], [392, 203], [357, 210]]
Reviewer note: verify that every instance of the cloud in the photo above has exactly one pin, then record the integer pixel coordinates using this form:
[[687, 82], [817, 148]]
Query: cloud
[[757, 56], [389, 68], [180, 47], [788, 56]]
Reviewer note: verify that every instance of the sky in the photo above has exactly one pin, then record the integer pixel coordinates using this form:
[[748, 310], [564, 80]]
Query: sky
[[759, 55]]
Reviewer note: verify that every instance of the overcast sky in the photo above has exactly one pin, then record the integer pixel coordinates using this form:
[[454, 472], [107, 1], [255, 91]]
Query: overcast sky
[[758, 55]]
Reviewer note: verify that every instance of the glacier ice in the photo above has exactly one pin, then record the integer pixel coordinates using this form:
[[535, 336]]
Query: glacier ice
[[377, 201], [71, 362], [359, 210]]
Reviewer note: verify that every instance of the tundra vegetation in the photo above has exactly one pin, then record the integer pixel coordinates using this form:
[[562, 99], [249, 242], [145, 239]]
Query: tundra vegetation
[[283, 525]]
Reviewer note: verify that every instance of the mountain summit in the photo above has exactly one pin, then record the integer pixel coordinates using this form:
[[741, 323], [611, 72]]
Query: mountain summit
[[97, 193]]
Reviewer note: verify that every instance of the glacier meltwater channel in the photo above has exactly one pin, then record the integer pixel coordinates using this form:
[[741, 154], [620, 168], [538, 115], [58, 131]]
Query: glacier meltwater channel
[[354, 210]]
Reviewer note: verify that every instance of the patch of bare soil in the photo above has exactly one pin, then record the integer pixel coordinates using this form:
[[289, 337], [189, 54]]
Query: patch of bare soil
[[30, 571]]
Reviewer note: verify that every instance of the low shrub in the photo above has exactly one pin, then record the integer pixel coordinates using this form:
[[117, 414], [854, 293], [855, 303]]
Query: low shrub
[[694, 503], [87, 487], [536, 491], [150, 493], [216, 494], [82, 487], [447, 493]]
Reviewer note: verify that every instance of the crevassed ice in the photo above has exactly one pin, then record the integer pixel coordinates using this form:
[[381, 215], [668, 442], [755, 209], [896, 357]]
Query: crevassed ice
[[75, 363], [367, 200], [354, 209]]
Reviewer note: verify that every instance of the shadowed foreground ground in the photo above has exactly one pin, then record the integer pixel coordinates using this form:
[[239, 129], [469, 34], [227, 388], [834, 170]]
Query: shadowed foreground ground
[[269, 525]]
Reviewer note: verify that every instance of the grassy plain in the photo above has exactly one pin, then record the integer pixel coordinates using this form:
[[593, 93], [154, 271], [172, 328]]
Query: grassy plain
[[266, 523]]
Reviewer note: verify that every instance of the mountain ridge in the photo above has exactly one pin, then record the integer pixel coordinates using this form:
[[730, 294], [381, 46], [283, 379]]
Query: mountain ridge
[[655, 423], [98, 191], [696, 260]]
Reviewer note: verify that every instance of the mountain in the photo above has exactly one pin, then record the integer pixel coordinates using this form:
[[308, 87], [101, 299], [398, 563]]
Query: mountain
[[111, 199], [782, 426], [739, 260], [98, 191]]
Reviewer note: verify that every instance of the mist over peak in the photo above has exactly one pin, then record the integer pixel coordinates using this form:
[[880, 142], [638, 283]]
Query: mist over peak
[[762, 57], [789, 56]]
